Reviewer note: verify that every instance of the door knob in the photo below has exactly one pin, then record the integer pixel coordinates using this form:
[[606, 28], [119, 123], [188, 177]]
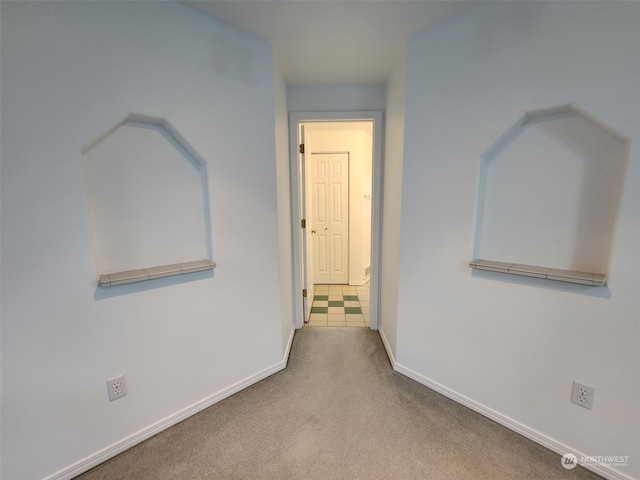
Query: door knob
[[313, 231]]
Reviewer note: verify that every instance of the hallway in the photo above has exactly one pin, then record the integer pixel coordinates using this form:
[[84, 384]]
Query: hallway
[[338, 411], [340, 306]]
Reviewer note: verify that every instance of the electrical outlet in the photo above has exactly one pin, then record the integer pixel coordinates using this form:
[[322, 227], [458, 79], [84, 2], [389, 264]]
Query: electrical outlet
[[117, 388], [582, 395]]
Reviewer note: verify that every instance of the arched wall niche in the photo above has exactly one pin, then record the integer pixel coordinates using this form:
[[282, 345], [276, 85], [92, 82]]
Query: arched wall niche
[[548, 195], [147, 198]]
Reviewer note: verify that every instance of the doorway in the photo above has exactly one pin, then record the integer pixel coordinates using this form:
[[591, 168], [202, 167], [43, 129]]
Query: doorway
[[316, 255]]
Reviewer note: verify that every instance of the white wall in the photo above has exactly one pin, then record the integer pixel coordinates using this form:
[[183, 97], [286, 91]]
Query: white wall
[[146, 202], [565, 177], [70, 70], [391, 208], [514, 345], [336, 99], [367, 198], [284, 204]]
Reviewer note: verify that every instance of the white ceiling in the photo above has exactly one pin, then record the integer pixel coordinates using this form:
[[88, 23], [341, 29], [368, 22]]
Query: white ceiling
[[331, 42]]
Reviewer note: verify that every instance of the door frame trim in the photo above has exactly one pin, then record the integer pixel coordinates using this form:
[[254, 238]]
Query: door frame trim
[[295, 119]]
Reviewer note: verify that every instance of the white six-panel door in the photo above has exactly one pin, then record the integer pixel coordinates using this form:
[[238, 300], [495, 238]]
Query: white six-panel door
[[330, 222]]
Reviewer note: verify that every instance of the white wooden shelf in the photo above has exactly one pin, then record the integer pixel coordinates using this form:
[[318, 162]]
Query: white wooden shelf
[[548, 193], [151, 273], [548, 273], [146, 190]]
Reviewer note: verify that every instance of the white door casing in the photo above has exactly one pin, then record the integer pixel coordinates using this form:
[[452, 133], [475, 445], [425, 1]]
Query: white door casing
[[330, 214], [304, 240], [308, 237], [296, 119]]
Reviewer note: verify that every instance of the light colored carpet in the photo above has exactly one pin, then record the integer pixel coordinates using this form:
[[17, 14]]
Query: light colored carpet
[[338, 411]]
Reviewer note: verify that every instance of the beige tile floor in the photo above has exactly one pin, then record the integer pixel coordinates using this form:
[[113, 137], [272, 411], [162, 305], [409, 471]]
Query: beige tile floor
[[340, 306]]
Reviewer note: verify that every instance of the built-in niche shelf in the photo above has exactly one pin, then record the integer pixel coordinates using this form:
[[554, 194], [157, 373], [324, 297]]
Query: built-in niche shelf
[[558, 274], [548, 194], [151, 273], [147, 198]]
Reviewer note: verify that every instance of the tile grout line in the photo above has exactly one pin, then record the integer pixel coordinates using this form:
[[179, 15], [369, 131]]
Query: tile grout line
[[339, 292]]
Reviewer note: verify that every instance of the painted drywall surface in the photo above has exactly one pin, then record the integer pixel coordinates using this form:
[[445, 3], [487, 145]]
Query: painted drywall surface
[[391, 211], [331, 137], [367, 203], [146, 201], [71, 70], [336, 99], [550, 197], [513, 344], [284, 203]]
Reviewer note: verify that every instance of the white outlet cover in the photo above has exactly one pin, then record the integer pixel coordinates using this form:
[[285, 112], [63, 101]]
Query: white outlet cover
[[116, 388], [582, 395]]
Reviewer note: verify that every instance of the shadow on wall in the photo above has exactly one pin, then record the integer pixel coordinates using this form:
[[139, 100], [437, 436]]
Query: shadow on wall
[[146, 191], [573, 288], [127, 289], [549, 191]]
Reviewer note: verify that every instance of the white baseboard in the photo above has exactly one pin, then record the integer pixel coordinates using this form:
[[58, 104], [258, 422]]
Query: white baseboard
[[387, 347], [553, 445], [125, 444], [285, 357]]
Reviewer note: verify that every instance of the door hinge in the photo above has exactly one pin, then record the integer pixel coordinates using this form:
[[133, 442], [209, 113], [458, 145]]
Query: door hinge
[[302, 148], [304, 293], [303, 223]]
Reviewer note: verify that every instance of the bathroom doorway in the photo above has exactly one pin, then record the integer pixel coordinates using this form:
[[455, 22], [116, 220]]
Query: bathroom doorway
[[336, 173]]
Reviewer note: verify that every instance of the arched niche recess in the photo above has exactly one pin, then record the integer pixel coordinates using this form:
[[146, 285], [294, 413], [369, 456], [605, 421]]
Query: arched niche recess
[[548, 195], [148, 203]]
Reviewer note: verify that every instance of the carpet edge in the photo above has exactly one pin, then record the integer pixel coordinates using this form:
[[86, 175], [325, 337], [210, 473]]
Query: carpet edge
[[533, 435], [387, 347], [121, 446]]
